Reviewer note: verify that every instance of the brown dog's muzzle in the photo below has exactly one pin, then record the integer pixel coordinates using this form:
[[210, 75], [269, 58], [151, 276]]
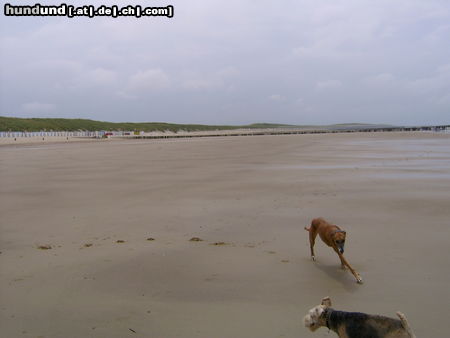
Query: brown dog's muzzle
[[340, 245]]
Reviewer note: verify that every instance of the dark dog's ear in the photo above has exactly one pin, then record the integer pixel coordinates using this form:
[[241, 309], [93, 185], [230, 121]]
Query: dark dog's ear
[[326, 302]]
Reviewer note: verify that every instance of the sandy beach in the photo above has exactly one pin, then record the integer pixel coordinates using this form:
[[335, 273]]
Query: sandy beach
[[7, 141], [95, 236]]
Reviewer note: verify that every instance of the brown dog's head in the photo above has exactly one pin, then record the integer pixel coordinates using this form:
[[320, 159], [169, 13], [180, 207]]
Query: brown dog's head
[[339, 240], [316, 317]]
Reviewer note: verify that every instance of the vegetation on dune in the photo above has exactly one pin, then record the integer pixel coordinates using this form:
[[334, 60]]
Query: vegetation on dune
[[58, 124]]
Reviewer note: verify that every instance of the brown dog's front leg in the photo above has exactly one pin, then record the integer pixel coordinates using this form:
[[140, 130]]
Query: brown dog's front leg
[[340, 257], [344, 262]]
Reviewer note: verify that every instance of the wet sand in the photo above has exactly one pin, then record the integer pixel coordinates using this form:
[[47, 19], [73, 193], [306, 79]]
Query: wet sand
[[92, 207]]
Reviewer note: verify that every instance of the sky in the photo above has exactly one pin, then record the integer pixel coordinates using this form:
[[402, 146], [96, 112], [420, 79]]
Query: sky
[[233, 62]]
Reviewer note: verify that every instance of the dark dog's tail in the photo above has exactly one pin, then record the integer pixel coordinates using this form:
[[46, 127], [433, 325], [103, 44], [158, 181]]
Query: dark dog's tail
[[405, 324]]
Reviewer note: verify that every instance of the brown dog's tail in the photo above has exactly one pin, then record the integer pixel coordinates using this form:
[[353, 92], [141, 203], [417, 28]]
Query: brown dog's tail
[[307, 229], [405, 324]]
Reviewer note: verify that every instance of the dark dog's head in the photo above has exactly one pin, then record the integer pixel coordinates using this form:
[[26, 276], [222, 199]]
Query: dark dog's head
[[339, 240], [316, 317]]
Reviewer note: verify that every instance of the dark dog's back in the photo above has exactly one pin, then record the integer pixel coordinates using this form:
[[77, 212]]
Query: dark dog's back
[[357, 324]]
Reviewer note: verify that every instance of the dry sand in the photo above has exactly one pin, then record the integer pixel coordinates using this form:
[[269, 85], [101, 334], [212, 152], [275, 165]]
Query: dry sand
[[390, 191]]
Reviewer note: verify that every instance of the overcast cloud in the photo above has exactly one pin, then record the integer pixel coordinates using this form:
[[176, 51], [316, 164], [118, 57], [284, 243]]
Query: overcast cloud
[[234, 62]]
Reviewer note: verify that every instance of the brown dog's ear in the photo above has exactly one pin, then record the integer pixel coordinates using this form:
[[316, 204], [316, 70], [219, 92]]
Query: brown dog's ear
[[326, 302]]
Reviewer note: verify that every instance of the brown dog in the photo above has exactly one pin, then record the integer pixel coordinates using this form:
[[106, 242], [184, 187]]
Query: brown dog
[[332, 236]]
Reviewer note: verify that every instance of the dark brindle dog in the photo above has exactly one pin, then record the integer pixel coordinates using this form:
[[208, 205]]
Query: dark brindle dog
[[356, 324], [332, 236]]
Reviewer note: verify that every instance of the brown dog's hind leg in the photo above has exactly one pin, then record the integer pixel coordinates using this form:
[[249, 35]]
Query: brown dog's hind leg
[[312, 240]]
